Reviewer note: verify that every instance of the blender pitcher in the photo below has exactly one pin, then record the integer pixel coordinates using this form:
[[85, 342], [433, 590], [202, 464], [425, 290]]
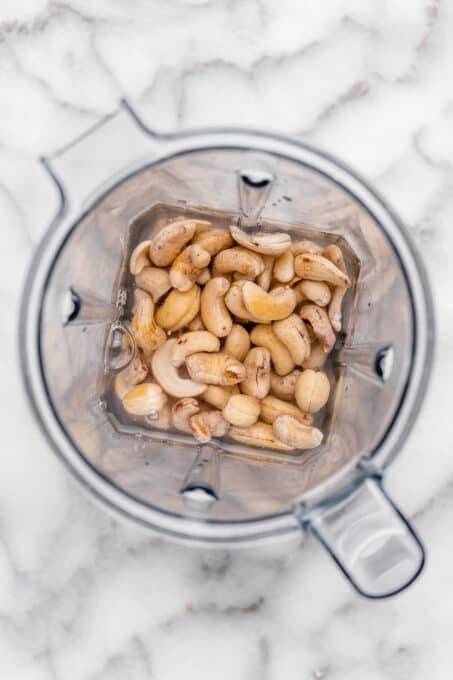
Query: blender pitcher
[[115, 183]]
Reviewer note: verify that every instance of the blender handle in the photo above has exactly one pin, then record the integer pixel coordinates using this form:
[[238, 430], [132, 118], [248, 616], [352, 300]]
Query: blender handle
[[370, 540], [113, 148]]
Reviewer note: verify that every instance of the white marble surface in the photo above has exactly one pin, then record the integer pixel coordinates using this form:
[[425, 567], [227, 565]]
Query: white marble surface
[[85, 598]]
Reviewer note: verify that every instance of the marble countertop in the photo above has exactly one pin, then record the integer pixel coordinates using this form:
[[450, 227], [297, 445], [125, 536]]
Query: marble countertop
[[83, 597]]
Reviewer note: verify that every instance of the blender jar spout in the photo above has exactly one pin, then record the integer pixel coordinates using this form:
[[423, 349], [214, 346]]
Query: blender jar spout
[[370, 540]]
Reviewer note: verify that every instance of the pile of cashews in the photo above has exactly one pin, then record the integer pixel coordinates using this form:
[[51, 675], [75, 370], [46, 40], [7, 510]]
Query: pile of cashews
[[232, 331]]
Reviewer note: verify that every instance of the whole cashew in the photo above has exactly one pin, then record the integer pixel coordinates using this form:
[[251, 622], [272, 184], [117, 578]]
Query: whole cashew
[[296, 434], [192, 342], [334, 254], [263, 336], [144, 399], [284, 386], [260, 434], [306, 246], [214, 313], [319, 268], [208, 424], [266, 307], [272, 408], [216, 396], [312, 390], [132, 375], [235, 303], [148, 335], [214, 240], [319, 321], [215, 368], [241, 410], [181, 413], [169, 241], [204, 276], [178, 309], [154, 280], [187, 267], [266, 244], [292, 332], [237, 344], [317, 358], [139, 258], [167, 375], [237, 259], [258, 367], [315, 291], [284, 267], [264, 279]]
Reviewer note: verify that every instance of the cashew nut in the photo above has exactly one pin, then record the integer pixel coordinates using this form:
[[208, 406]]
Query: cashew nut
[[132, 375], [315, 291], [312, 390], [319, 321], [139, 258], [237, 259], [170, 240], [208, 424], [181, 413], [187, 267], [264, 279], [334, 254], [178, 309], [167, 375], [260, 434], [284, 386], [272, 408], [306, 246], [295, 434], [237, 344], [216, 396], [263, 336], [214, 313], [267, 244], [214, 240], [196, 324], [284, 267], [144, 399], [292, 332], [163, 420], [192, 342], [204, 276], [317, 358], [235, 303], [265, 307], [258, 367], [319, 268], [148, 335], [154, 280], [215, 369], [241, 410]]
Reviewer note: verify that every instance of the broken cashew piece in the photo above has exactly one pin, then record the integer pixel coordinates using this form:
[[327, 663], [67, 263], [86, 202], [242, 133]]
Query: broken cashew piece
[[334, 254], [258, 368], [204, 276], [264, 243], [148, 335], [264, 279], [266, 307], [144, 400], [284, 386], [296, 434], [178, 309], [284, 267], [317, 358], [260, 434], [242, 410], [215, 368], [196, 324], [167, 375], [319, 268], [181, 413], [208, 424], [315, 291], [263, 336], [319, 321], [188, 266], [214, 240], [237, 343], [192, 342], [216, 396], [237, 259], [214, 312], [272, 408], [312, 390], [139, 258], [169, 241], [132, 375], [154, 280], [293, 333], [163, 420]]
